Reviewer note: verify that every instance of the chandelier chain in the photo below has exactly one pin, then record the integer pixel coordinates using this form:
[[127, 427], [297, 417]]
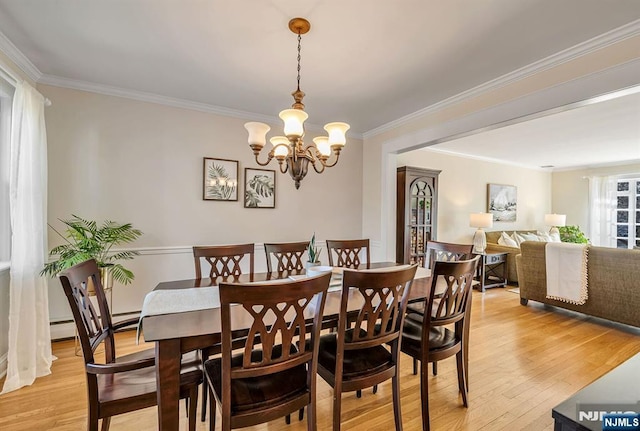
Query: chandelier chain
[[299, 43]]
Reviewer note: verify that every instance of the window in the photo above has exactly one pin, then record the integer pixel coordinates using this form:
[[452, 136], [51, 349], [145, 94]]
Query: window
[[6, 99], [628, 213]]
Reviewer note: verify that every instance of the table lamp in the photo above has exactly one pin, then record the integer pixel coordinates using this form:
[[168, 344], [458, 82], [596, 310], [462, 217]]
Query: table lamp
[[480, 220], [555, 220]]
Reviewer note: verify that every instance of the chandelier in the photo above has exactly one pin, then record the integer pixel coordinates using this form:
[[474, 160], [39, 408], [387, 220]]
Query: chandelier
[[289, 150]]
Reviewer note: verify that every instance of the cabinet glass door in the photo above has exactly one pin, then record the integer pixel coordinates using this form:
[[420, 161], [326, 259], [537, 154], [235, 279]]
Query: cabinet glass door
[[420, 219]]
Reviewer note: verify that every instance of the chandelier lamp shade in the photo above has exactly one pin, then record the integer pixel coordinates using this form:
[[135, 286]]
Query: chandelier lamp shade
[[289, 150]]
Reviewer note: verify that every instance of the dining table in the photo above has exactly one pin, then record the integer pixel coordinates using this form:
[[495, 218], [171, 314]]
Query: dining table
[[184, 315]]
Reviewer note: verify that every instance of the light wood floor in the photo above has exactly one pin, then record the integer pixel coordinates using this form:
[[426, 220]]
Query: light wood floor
[[523, 362]]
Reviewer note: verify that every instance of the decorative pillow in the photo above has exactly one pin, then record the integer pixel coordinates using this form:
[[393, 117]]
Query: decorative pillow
[[529, 237], [555, 237], [507, 240], [542, 236]]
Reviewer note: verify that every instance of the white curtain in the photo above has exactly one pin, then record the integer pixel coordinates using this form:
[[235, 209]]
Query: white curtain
[[29, 354], [602, 210]]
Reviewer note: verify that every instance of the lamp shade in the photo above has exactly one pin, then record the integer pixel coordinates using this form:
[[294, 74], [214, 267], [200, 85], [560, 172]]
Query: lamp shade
[[337, 133], [257, 133], [322, 144], [555, 219], [293, 121], [481, 220], [281, 146]]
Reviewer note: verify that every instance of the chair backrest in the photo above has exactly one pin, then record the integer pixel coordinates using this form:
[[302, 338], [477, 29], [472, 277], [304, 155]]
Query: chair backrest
[[224, 260], [287, 254], [379, 319], [348, 252], [94, 326], [446, 251], [279, 337], [453, 281]]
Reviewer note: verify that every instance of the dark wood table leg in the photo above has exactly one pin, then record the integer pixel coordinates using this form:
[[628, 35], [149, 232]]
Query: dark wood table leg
[[168, 376]]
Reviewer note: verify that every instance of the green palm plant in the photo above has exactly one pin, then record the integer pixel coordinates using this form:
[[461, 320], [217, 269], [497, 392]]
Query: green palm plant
[[86, 240]]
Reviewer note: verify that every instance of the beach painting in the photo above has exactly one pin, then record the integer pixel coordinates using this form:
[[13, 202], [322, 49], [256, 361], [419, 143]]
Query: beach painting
[[502, 202]]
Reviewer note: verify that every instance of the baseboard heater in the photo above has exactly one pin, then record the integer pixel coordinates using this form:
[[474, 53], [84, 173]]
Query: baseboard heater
[[66, 329]]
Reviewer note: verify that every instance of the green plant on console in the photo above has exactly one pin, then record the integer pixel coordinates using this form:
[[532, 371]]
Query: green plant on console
[[313, 251], [86, 240], [572, 234]]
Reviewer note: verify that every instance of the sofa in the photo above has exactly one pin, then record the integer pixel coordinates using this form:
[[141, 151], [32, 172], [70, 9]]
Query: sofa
[[613, 282], [512, 252]]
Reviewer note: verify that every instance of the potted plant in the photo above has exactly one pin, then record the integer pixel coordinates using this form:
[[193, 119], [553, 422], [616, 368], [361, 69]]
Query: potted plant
[[572, 234], [313, 252], [86, 240]]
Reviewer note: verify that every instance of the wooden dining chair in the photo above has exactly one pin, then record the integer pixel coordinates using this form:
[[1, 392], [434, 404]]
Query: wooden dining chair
[[224, 261], [439, 251], [349, 253], [276, 372], [122, 383], [289, 255], [428, 337], [366, 348]]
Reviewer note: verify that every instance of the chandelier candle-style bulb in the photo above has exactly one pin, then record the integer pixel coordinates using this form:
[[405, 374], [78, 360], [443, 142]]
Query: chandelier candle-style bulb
[[293, 122], [337, 133]]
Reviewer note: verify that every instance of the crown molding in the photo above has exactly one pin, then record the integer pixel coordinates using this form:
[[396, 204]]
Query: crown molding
[[19, 58], [58, 81], [602, 41]]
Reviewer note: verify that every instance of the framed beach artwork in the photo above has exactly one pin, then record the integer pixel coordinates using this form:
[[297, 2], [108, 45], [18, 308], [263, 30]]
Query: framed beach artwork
[[220, 180], [259, 188], [502, 202]]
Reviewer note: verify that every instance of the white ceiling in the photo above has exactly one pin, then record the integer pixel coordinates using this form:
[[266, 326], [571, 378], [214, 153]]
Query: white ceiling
[[588, 135], [363, 62]]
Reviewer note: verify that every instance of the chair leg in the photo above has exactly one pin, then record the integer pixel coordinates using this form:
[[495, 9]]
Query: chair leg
[[462, 384], [301, 414], [397, 415], [358, 393], [424, 395], [415, 366], [193, 407], [203, 415], [287, 419], [434, 367], [212, 411], [375, 389], [337, 405], [92, 418], [105, 423]]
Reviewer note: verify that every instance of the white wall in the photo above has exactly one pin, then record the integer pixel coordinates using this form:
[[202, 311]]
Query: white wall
[[130, 161], [462, 189], [571, 191]]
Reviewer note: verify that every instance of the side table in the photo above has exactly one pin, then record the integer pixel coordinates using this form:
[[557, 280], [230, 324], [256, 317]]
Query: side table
[[492, 270]]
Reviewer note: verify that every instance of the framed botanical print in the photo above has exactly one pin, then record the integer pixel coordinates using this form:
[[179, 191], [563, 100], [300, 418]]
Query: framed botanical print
[[259, 188], [502, 202], [220, 180]]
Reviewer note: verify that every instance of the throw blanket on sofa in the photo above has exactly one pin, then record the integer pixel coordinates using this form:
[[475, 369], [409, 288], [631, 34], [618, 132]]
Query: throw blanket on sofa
[[566, 272]]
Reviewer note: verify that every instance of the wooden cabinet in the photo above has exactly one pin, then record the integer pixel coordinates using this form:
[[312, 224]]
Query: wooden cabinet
[[417, 209]]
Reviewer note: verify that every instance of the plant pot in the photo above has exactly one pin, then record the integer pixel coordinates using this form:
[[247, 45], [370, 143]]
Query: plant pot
[[308, 265]]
